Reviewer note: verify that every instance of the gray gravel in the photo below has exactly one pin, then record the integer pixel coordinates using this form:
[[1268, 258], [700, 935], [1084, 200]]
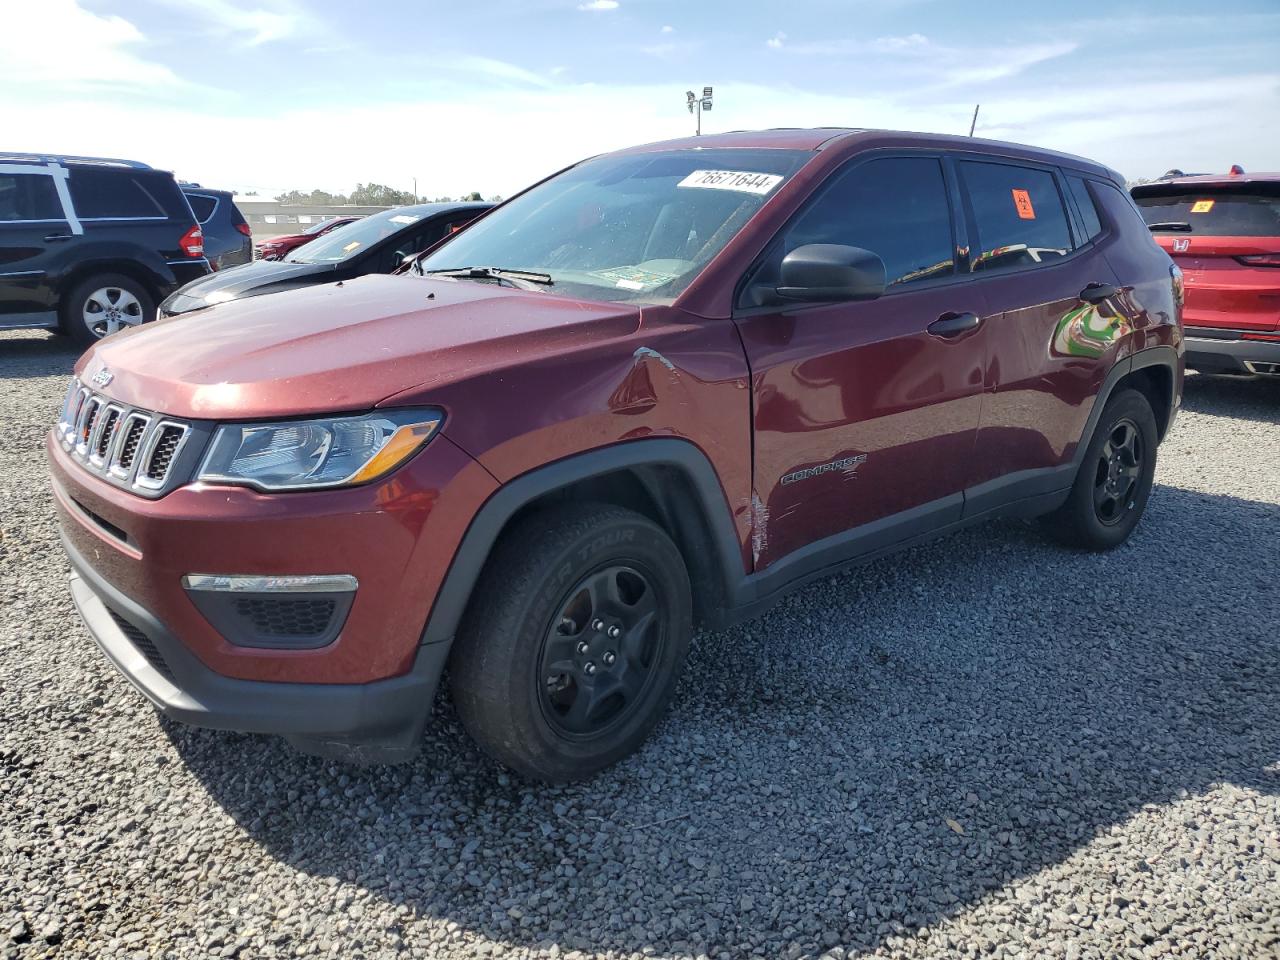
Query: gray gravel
[[982, 747]]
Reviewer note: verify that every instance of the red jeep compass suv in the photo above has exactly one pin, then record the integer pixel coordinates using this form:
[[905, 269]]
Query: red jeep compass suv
[[661, 387], [1224, 233]]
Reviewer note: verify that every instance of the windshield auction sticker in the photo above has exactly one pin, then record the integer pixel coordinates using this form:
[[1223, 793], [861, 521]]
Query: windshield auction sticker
[[740, 181]]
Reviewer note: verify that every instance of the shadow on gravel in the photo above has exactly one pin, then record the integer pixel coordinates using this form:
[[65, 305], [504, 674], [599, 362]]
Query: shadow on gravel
[[1239, 398], [37, 355], [880, 751]]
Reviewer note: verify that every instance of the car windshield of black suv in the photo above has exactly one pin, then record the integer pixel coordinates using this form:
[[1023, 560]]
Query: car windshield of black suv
[[347, 241], [636, 227], [1251, 210]]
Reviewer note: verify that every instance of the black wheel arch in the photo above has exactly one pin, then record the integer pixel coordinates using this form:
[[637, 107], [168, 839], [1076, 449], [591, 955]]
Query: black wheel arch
[[668, 480], [156, 278]]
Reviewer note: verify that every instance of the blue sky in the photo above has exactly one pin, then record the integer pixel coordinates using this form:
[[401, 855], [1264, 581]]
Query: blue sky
[[276, 94]]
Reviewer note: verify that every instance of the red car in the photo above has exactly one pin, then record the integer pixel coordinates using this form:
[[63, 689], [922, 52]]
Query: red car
[[665, 386], [277, 248], [1224, 232]]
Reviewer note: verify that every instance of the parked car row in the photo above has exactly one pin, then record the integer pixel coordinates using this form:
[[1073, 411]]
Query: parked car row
[[663, 387]]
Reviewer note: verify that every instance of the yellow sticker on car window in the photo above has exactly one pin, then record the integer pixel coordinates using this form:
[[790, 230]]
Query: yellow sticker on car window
[[1202, 206]]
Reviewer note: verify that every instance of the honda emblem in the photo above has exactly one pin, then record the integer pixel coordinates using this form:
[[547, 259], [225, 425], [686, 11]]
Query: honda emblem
[[1181, 245]]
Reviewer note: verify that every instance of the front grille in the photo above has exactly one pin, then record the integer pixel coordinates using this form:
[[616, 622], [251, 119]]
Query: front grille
[[278, 617], [130, 447], [144, 645]]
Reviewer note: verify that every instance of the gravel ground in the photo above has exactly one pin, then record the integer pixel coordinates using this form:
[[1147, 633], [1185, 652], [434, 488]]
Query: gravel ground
[[982, 747]]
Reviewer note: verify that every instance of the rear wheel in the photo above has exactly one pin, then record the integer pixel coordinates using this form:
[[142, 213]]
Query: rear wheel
[[575, 638], [1114, 482], [105, 304]]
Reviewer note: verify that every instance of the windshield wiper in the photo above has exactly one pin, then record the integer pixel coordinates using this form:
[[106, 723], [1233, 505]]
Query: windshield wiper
[[523, 279], [1180, 225]]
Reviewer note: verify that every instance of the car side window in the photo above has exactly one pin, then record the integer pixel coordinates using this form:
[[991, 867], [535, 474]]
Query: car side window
[[202, 206], [1020, 216], [29, 196], [896, 207], [111, 194], [1084, 202]]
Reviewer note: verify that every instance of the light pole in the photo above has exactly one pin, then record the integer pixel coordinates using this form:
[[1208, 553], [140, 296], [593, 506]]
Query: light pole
[[698, 104], [415, 189]]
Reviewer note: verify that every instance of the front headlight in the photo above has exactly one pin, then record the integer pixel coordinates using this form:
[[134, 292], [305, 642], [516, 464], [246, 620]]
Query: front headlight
[[327, 452]]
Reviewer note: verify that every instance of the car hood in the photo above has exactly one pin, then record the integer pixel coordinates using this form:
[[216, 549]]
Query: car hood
[[341, 346], [234, 282]]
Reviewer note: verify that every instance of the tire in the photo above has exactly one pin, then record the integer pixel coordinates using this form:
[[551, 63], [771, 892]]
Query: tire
[[119, 300], [573, 642], [1113, 484]]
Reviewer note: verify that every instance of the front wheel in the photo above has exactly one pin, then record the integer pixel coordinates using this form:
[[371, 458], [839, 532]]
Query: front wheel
[[104, 304], [573, 642], [1114, 481]]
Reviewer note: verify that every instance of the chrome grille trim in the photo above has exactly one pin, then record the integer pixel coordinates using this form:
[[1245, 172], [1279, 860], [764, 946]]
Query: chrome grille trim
[[119, 442], [142, 474]]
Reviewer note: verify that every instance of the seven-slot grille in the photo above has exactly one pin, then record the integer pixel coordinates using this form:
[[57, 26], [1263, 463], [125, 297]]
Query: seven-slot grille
[[132, 447]]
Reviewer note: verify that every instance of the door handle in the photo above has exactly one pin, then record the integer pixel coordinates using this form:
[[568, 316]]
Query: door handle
[[1097, 292], [55, 237], [954, 324]]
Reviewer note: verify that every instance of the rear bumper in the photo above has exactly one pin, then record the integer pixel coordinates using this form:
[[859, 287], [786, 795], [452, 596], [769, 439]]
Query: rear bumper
[[1223, 351], [382, 720]]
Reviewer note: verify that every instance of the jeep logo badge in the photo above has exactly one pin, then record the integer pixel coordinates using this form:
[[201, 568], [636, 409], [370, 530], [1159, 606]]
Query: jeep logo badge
[[1181, 245], [102, 377]]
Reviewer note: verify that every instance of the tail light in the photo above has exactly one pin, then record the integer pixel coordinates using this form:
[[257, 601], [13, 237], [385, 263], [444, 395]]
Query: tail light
[[1260, 260], [244, 228], [192, 242]]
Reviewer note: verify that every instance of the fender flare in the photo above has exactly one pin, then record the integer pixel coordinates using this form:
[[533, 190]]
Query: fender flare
[[629, 456], [1160, 355]]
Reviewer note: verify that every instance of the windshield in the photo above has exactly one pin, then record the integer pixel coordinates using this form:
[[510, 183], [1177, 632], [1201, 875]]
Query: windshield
[[346, 241], [1253, 211], [317, 226], [637, 228]]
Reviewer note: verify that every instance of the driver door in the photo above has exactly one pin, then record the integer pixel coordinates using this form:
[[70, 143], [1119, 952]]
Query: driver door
[[863, 418]]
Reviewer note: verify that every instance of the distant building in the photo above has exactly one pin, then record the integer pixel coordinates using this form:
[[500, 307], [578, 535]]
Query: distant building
[[270, 218]]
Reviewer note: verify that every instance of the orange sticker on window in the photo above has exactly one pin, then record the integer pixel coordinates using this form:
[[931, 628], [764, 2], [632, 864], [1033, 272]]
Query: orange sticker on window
[[1202, 206], [1022, 200]]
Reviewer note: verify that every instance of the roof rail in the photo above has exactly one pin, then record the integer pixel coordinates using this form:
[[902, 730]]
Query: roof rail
[[69, 158]]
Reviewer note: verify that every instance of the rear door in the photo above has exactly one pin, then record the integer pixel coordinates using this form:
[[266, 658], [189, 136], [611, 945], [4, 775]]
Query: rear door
[[862, 417], [37, 235], [1049, 349], [1226, 239]]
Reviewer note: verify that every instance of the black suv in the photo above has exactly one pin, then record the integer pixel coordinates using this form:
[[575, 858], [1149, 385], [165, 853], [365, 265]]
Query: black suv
[[90, 245], [228, 240]]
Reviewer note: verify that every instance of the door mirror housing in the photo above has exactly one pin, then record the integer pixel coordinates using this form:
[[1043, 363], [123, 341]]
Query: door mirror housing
[[830, 273]]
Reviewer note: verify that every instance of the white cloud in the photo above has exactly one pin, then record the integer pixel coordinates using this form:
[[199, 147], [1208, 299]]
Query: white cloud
[[599, 5], [498, 70], [911, 41], [777, 40], [57, 45], [667, 28], [280, 20]]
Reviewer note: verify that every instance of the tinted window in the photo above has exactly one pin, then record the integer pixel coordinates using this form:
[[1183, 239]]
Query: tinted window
[[1088, 212], [111, 193], [202, 206], [1020, 217], [28, 196], [1219, 212], [896, 207]]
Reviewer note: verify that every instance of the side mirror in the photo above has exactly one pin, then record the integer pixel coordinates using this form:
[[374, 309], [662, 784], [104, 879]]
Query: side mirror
[[831, 272]]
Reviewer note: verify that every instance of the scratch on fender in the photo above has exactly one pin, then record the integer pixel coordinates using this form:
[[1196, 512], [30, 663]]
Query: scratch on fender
[[759, 527], [647, 353]]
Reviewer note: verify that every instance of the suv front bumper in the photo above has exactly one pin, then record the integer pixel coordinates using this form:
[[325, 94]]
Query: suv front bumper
[[379, 721], [1210, 350]]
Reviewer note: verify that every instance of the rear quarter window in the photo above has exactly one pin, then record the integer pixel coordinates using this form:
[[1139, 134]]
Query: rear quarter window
[[111, 194], [1247, 211], [1019, 214], [202, 206], [1084, 204]]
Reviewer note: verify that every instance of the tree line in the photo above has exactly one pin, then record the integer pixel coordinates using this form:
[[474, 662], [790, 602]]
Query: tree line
[[364, 195]]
